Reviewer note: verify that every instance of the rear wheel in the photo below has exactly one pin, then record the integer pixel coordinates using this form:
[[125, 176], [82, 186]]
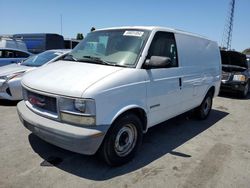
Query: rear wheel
[[203, 111], [122, 140]]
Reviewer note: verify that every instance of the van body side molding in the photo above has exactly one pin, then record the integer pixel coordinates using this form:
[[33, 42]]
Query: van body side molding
[[154, 106]]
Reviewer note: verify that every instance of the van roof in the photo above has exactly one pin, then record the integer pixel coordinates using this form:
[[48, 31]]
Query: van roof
[[152, 28]]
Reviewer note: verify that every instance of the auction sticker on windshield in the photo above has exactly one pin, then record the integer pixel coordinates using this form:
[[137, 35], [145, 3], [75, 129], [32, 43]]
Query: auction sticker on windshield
[[133, 33]]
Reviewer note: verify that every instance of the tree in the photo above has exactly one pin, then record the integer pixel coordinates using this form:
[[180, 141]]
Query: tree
[[79, 36], [246, 51]]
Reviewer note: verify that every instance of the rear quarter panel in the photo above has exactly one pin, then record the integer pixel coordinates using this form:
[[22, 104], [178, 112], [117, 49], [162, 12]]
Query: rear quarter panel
[[200, 62]]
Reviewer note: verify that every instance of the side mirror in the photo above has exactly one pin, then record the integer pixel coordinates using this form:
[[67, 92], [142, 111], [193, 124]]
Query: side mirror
[[156, 62]]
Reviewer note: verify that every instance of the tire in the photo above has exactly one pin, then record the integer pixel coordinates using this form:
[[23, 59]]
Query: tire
[[203, 111], [122, 140], [244, 93]]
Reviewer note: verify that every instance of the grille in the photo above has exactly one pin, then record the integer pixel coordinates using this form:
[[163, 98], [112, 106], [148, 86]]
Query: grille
[[41, 102], [225, 76]]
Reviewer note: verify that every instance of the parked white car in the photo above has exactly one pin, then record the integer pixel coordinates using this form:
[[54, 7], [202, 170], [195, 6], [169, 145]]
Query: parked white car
[[11, 55], [11, 75], [116, 84]]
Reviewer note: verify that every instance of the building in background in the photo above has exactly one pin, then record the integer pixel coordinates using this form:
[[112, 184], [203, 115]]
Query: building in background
[[70, 43]]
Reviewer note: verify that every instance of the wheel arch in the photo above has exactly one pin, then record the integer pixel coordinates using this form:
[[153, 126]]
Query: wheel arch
[[209, 89], [138, 111], [212, 90]]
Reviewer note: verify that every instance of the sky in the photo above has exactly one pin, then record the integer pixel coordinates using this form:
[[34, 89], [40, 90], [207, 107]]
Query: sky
[[202, 17]]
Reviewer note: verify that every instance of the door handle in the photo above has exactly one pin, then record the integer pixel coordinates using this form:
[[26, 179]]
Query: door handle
[[180, 82]]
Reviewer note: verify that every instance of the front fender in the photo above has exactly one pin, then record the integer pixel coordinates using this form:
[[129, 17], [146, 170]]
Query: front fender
[[126, 109]]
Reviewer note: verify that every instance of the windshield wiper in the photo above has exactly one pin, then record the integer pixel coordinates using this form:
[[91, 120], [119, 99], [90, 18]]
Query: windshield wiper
[[69, 57], [96, 60], [91, 59]]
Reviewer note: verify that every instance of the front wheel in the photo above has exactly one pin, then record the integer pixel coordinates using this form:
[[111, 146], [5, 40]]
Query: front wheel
[[122, 140], [202, 112]]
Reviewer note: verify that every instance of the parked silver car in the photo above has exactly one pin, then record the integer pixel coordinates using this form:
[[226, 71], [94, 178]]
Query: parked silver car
[[11, 55], [10, 75]]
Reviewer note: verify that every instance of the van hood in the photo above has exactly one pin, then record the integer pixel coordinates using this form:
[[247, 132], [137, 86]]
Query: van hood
[[67, 78], [13, 68]]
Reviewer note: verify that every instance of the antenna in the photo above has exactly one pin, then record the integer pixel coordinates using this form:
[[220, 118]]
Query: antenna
[[228, 29], [61, 22]]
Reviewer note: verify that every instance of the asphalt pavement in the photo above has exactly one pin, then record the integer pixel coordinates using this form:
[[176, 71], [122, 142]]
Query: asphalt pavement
[[181, 152]]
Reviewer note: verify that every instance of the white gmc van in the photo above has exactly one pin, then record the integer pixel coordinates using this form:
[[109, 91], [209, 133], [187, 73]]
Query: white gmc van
[[117, 83]]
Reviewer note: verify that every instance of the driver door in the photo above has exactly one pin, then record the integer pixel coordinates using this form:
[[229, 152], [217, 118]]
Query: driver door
[[164, 84]]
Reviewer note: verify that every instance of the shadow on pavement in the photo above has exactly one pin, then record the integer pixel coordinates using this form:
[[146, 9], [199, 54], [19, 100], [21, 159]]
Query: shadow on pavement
[[8, 103], [159, 141], [233, 96]]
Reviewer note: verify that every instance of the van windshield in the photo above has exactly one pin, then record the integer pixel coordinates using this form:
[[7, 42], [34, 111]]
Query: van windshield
[[111, 47]]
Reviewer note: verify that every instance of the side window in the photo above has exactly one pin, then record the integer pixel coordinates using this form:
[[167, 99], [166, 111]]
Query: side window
[[21, 54], [8, 54], [164, 44]]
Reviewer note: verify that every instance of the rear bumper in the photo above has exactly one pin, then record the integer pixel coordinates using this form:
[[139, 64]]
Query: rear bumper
[[74, 138]]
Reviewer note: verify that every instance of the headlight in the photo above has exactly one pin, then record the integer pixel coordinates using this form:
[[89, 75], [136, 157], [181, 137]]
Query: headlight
[[80, 105], [3, 78], [10, 76], [239, 78], [77, 111]]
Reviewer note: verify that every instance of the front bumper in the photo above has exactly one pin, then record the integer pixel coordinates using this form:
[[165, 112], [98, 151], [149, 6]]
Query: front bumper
[[74, 138], [11, 90], [232, 86]]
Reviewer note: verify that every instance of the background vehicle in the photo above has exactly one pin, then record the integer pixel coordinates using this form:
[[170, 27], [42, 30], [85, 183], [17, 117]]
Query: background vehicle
[[117, 83], [40, 42], [235, 73], [11, 75], [10, 42], [70, 43], [248, 61], [10, 56]]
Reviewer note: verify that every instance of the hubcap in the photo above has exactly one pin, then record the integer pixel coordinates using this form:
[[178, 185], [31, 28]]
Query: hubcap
[[207, 105], [125, 140]]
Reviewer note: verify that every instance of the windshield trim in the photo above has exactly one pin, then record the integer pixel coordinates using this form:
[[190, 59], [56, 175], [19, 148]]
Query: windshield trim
[[142, 48]]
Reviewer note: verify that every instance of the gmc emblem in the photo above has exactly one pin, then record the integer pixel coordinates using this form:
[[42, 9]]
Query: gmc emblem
[[36, 101]]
